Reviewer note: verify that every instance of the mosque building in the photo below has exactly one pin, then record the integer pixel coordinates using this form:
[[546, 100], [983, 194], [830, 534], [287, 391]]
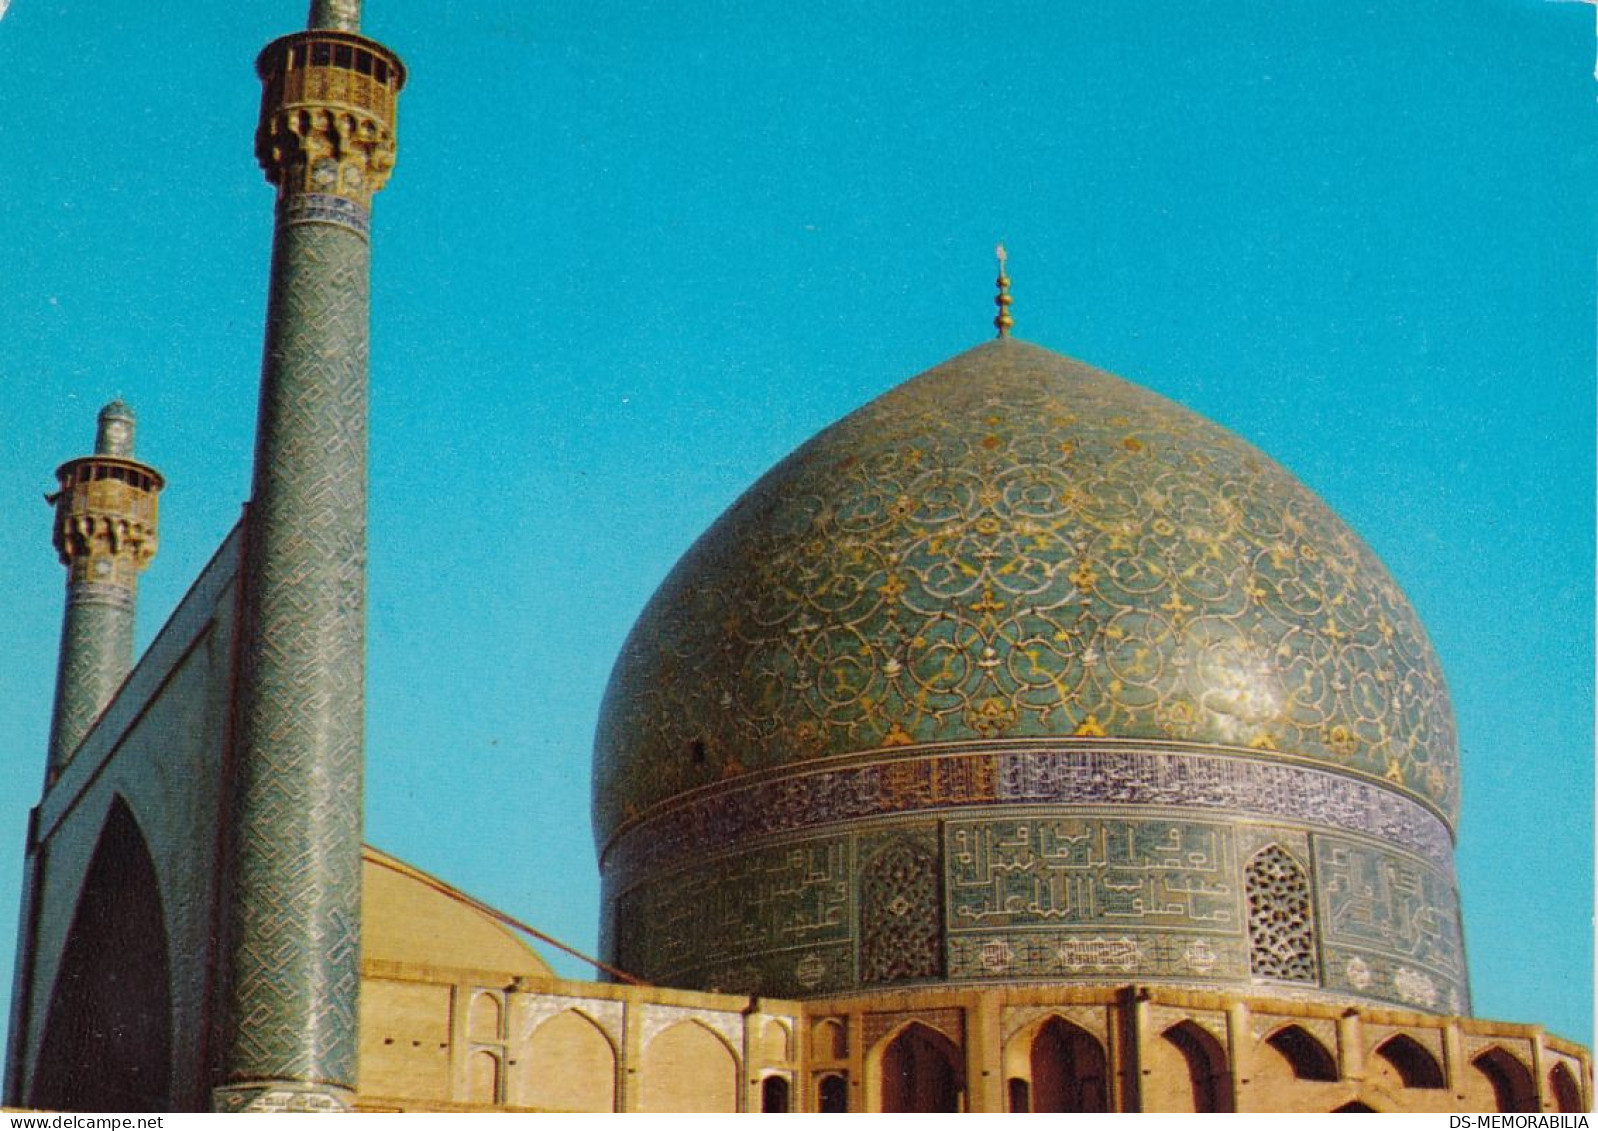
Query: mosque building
[[1021, 742]]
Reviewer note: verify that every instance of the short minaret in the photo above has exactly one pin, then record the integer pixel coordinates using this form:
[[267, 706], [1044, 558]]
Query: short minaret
[[292, 943], [105, 532]]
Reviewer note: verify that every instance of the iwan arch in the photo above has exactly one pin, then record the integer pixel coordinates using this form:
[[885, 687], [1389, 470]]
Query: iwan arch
[[1022, 742]]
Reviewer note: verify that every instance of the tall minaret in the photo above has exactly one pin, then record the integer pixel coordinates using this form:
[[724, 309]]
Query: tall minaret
[[291, 947], [105, 532]]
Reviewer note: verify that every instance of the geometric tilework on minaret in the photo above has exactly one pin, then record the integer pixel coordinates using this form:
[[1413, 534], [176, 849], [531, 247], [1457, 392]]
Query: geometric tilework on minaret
[[105, 534], [292, 964]]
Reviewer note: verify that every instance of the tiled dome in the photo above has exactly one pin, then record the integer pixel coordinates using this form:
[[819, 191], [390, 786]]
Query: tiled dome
[[1024, 671], [1014, 544]]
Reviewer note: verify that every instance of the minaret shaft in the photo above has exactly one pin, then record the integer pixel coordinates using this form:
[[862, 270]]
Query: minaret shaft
[[292, 948], [296, 809], [96, 655]]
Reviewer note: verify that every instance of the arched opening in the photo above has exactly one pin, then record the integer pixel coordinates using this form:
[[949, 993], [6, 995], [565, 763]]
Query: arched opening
[[568, 1065], [1416, 1067], [688, 1068], [1306, 1056], [1020, 1095], [1567, 1093], [900, 915], [1068, 1070], [1352, 1105], [483, 1018], [1513, 1090], [774, 1042], [774, 1094], [1208, 1085], [482, 1078], [919, 1072], [828, 1040], [108, 1035], [832, 1094]]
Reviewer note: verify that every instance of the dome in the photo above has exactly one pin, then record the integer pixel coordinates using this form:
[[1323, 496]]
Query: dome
[[1012, 545], [1011, 571]]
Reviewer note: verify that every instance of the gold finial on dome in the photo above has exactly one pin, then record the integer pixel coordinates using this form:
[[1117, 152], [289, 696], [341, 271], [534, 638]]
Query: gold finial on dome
[[1003, 322]]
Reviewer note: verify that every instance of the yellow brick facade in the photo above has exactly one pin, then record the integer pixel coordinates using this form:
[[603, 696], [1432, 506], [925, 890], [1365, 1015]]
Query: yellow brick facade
[[441, 1038]]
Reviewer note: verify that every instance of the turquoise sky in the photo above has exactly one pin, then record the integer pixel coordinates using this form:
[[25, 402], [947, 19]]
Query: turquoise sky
[[634, 253]]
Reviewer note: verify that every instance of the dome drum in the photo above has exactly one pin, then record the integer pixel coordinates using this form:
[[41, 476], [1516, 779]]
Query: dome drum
[[1081, 860]]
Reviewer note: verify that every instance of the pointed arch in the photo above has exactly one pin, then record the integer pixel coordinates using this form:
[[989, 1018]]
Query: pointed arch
[[484, 1016], [1353, 1105], [900, 915], [483, 1078], [1190, 1072], [775, 1094], [107, 1042], [829, 1040], [832, 1094], [1069, 1072], [568, 1064], [775, 1043], [688, 1068], [919, 1071], [1413, 1062], [1304, 1053], [1512, 1084], [1281, 937], [1567, 1093]]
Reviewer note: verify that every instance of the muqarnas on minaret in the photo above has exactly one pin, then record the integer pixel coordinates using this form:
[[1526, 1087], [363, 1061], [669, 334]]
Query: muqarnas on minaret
[[326, 131]]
